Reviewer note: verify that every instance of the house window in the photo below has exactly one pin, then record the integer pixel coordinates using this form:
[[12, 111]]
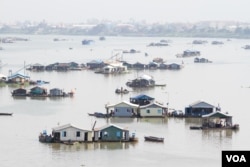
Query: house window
[[78, 134], [105, 134], [118, 134], [159, 111], [148, 111], [64, 134]]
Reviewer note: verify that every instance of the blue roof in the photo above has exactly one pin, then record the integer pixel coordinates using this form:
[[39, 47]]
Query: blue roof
[[18, 75], [142, 97]]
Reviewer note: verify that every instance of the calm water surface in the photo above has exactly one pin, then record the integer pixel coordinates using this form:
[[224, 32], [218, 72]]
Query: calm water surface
[[224, 82]]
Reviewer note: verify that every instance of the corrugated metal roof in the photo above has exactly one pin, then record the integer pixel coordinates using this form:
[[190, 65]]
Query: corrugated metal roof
[[59, 128], [217, 115], [142, 97], [107, 126], [201, 104], [128, 103], [154, 103]]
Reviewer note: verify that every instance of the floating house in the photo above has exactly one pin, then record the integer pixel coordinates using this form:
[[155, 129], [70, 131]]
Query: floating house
[[216, 120], [152, 65], [50, 67], [111, 133], [138, 65], [87, 41], [19, 92], [189, 53], [68, 132], [122, 109], [142, 81], [38, 91], [56, 92], [174, 66], [94, 64], [37, 67], [153, 110], [141, 99], [113, 68], [201, 60], [63, 67], [199, 108], [18, 78]]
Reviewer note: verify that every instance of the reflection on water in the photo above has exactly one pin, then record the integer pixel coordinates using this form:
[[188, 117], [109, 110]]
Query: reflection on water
[[115, 120], [154, 120], [19, 97], [38, 98], [91, 146], [193, 121], [218, 133]]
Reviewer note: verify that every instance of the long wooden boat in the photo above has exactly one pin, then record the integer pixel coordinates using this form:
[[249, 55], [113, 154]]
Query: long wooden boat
[[153, 138], [6, 114]]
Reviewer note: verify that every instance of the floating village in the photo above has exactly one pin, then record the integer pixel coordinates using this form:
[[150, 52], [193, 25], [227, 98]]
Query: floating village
[[139, 106]]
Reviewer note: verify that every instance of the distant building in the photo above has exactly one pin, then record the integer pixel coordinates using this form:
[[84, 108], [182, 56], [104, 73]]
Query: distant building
[[153, 110], [123, 109], [71, 133], [199, 108], [111, 133], [18, 78]]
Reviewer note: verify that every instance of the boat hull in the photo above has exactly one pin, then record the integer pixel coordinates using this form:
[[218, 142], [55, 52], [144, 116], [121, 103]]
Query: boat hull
[[154, 139]]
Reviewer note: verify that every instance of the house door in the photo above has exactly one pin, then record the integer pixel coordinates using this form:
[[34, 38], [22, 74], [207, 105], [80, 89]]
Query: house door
[[86, 136], [57, 136]]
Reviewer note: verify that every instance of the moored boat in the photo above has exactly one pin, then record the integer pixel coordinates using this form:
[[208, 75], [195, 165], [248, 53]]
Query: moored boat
[[121, 91], [6, 114], [153, 138]]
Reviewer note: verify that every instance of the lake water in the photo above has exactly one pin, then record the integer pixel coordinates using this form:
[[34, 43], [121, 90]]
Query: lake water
[[225, 82]]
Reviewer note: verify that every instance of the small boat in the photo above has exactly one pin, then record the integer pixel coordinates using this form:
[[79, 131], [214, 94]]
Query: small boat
[[195, 127], [98, 115], [153, 138], [40, 82], [121, 91], [44, 138], [6, 114]]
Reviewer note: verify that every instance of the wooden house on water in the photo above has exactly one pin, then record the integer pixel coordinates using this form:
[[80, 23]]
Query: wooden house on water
[[111, 133], [142, 81], [18, 78], [216, 120], [153, 110], [19, 92], [122, 109], [199, 108], [36, 67], [138, 66], [56, 92], [70, 133], [95, 64], [38, 91]]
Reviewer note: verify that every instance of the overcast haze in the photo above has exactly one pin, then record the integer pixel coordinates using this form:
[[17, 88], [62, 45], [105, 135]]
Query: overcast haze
[[75, 11]]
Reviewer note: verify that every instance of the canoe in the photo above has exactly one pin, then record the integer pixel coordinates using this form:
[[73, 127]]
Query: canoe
[[153, 138], [6, 114]]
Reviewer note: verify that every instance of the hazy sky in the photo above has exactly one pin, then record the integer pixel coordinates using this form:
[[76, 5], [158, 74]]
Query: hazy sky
[[75, 11]]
